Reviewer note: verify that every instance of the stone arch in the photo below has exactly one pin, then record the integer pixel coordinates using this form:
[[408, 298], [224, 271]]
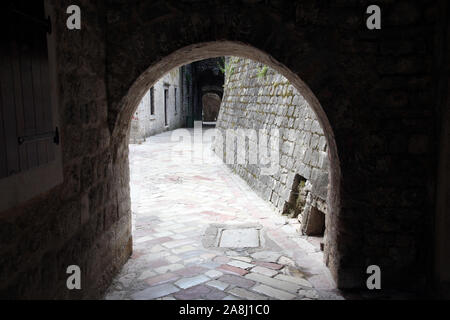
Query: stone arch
[[379, 90], [221, 48], [210, 105], [328, 59]]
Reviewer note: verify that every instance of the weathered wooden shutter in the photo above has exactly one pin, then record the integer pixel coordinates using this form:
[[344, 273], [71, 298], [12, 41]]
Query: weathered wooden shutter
[[27, 135]]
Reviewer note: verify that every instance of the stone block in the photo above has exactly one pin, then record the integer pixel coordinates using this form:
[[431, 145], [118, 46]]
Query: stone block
[[155, 292], [273, 293]]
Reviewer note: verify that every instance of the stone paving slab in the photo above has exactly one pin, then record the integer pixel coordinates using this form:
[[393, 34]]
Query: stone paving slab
[[213, 273], [231, 269], [247, 295], [239, 238], [265, 271], [174, 204], [162, 278], [218, 284], [240, 264], [297, 280], [155, 292], [192, 281], [237, 281], [274, 293], [200, 292], [280, 284]]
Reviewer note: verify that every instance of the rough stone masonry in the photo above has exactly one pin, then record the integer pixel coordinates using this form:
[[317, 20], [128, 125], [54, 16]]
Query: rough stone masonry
[[382, 100], [257, 97]]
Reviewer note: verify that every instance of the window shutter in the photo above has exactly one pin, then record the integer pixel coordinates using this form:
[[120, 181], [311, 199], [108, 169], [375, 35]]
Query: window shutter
[[28, 136]]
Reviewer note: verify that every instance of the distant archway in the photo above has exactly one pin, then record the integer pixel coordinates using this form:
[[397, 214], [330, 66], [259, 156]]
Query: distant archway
[[210, 106]]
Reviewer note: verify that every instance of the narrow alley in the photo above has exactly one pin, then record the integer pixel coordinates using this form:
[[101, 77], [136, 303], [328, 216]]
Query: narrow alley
[[191, 218]]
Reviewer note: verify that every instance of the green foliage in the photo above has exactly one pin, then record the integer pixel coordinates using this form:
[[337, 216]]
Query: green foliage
[[263, 71], [227, 68]]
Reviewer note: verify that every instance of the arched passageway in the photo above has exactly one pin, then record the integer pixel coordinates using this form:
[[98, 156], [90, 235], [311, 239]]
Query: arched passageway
[[184, 208], [373, 92], [208, 50], [211, 106], [344, 89]]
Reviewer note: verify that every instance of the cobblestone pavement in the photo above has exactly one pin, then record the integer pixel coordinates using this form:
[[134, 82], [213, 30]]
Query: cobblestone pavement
[[182, 208]]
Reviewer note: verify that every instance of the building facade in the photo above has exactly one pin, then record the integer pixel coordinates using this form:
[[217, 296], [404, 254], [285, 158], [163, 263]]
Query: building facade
[[161, 108]]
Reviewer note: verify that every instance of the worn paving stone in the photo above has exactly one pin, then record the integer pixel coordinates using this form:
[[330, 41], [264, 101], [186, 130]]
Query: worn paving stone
[[173, 259], [192, 254], [157, 263], [210, 265], [170, 267], [162, 279], [218, 284], [311, 294], [221, 259], [155, 256], [183, 249], [200, 292], [144, 239], [244, 259], [190, 271], [147, 274], [266, 256], [127, 279], [264, 271], [176, 243], [167, 298], [240, 264], [213, 273], [239, 238], [155, 292], [185, 283], [157, 248], [171, 213], [231, 269], [116, 295], [230, 297], [274, 293], [286, 261], [269, 265], [237, 281], [245, 294], [297, 280], [283, 285]]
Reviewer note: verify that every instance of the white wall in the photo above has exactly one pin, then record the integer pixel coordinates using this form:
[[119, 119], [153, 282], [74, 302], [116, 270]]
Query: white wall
[[144, 124]]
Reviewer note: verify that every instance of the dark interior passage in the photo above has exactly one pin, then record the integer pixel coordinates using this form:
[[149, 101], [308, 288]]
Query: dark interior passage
[[381, 97]]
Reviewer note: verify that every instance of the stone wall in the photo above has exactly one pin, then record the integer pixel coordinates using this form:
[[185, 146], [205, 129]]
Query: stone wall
[[85, 221], [372, 90], [145, 124], [442, 221], [257, 97]]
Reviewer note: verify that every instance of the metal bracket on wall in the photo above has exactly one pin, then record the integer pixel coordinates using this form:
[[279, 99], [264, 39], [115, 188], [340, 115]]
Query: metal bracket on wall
[[38, 137]]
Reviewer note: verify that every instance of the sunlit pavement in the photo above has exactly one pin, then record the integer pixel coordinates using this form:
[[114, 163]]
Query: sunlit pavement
[[187, 204]]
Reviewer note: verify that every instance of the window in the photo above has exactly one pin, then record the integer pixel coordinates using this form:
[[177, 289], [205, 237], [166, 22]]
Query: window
[[30, 155], [152, 101], [175, 98], [166, 101]]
